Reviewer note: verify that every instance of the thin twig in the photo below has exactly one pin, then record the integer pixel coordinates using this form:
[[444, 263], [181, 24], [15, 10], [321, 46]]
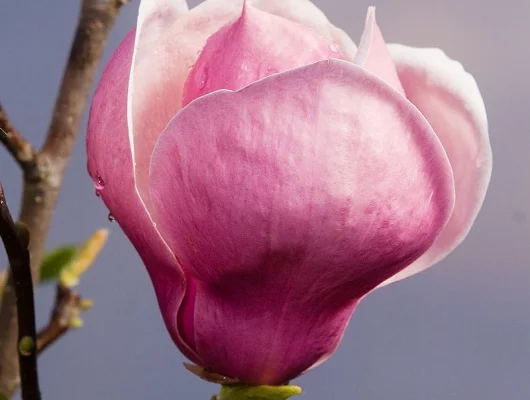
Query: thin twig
[[3, 281], [68, 305], [14, 142], [16, 244], [43, 181]]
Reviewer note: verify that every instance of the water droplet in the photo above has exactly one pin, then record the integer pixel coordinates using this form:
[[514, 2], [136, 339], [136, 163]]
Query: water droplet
[[203, 79], [99, 183], [111, 217], [98, 194], [334, 47]]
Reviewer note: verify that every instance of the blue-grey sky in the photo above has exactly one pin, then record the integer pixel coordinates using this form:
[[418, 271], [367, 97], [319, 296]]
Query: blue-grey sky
[[458, 331]]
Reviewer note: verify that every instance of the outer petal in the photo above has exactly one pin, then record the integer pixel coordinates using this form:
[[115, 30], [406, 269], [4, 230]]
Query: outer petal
[[450, 100], [110, 166], [254, 46], [288, 201], [373, 54]]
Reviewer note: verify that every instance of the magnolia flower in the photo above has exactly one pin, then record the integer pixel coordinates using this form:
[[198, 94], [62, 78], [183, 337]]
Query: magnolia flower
[[271, 174]]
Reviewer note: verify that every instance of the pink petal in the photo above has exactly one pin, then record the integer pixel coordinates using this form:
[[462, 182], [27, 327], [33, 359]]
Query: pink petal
[[306, 13], [449, 98], [254, 46], [288, 201], [303, 12], [110, 166], [373, 54]]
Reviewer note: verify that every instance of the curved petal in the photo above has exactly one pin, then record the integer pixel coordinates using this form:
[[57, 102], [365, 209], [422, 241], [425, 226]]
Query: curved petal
[[373, 54], [110, 166], [288, 201], [449, 98], [256, 45]]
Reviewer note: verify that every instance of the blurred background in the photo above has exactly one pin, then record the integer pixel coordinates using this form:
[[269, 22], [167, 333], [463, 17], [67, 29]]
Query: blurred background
[[461, 330]]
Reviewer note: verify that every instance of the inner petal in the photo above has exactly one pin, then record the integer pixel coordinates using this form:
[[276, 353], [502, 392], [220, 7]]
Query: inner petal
[[256, 45], [373, 54]]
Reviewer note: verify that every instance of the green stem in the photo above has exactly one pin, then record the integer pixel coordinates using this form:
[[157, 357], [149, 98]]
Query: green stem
[[262, 392]]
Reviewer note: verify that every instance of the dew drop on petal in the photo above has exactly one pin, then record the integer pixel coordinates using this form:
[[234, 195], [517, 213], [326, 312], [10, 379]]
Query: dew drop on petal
[[111, 217], [334, 47], [98, 194], [203, 78], [99, 183]]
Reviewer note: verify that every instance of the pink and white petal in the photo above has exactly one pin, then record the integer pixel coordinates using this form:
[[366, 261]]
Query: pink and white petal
[[111, 168], [168, 41], [288, 201], [449, 98], [373, 54], [256, 45]]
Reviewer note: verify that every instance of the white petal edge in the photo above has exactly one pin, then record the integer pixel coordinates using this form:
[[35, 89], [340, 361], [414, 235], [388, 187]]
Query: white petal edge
[[165, 11]]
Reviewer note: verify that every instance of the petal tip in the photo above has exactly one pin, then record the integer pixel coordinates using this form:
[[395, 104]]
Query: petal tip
[[370, 15]]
